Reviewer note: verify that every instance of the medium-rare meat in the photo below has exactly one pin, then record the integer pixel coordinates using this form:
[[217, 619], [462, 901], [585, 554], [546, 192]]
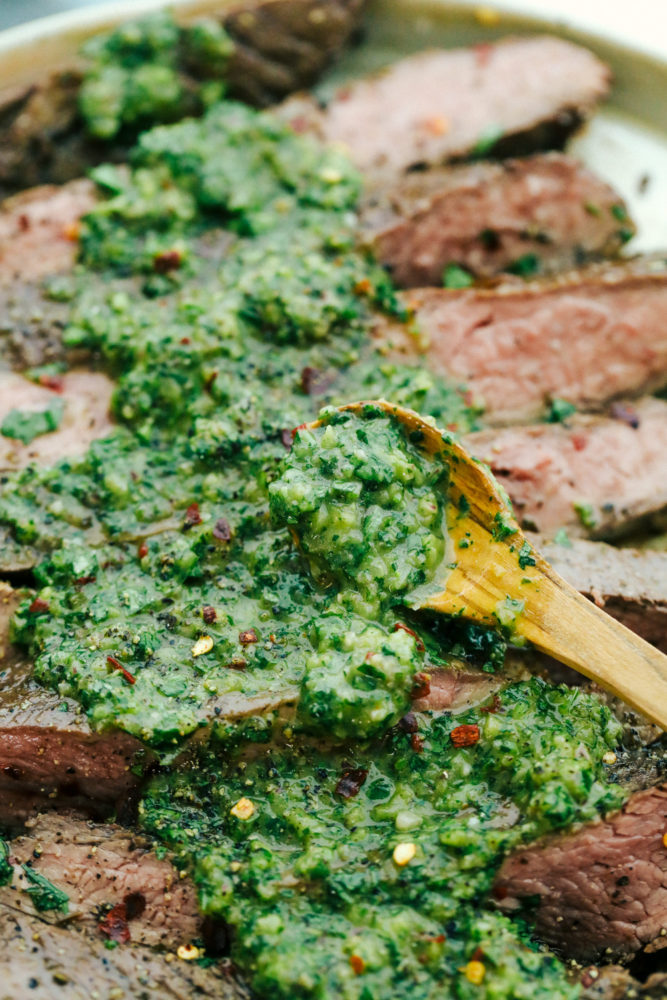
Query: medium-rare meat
[[595, 476], [599, 890], [585, 337], [49, 756], [103, 867], [280, 45], [85, 397], [628, 584], [510, 98], [38, 230], [43, 961], [545, 213]]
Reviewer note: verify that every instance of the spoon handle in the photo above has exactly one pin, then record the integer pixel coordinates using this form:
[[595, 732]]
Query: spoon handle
[[560, 622]]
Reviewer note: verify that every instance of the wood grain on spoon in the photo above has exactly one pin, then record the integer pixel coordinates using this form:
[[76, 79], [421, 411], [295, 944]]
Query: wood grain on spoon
[[492, 561]]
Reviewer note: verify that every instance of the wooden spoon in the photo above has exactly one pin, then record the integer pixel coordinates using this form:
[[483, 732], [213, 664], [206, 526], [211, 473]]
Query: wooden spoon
[[499, 578]]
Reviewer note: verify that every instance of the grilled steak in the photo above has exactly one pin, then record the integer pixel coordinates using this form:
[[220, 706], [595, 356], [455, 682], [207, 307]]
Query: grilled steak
[[594, 476], [49, 756], [510, 98], [86, 397], [586, 337], [103, 867], [42, 961], [615, 983], [546, 212], [281, 45], [626, 583], [600, 890]]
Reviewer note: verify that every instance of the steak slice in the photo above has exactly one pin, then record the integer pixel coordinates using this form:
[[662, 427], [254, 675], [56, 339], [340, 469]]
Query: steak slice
[[86, 397], [585, 337], [546, 212], [50, 758], [595, 476], [283, 45], [628, 584], [280, 45], [600, 890], [42, 961], [513, 97], [102, 866]]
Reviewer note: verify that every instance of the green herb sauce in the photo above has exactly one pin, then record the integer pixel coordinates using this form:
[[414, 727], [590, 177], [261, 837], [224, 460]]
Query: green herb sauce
[[220, 283]]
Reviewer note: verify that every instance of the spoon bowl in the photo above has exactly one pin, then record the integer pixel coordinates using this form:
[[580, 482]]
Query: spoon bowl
[[495, 577]]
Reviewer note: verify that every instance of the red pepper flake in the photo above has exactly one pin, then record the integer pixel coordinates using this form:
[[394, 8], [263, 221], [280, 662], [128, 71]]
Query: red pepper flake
[[400, 627], [287, 436], [500, 892], [464, 736], [38, 606], [363, 287], [185, 341], [169, 260], [493, 707], [453, 426], [245, 638], [117, 665], [296, 430], [192, 516], [209, 614], [357, 963], [24, 222], [579, 441], [114, 926], [55, 383], [369, 656], [629, 416], [142, 551], [350, 784], [222, 530], [421, 685], [434, 938], [417, 742], [238, 663], [83, 580]]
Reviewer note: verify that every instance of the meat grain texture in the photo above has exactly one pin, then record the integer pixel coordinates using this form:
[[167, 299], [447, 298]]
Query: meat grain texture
[[601, 890], [510, 98], [487, 217], [586, 337], [593, 476]]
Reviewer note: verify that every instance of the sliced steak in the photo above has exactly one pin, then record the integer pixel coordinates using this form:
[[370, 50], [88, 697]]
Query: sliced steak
[[281, 45], [38, 230], [49, 756], [628, 584], [547, 213], [43, 961], [86, 397], [595, 476], [600, 890], [513, 97], [586, 337], [103, 867]]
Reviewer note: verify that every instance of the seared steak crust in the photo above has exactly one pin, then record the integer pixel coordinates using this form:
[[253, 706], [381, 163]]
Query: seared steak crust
[[595, 476], [600, 890], [586, 337], [510, 98], [43, 961], [486, 217]]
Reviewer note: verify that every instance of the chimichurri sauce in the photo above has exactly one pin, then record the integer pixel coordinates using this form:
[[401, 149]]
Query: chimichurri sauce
[[351, 844]]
